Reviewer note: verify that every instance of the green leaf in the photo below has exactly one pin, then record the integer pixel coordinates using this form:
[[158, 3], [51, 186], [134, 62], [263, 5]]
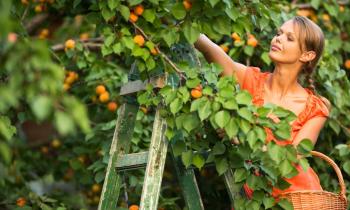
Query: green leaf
[[252, 139], [276, 152], [305, 146], [187, 158], [240, 175], [285, 204], [197, 103], [192, 83], [346, 167], [205, 111], [76, 3], [42, 107], [220, 25], [244, 98], [304, 164], [213, 2], [6, 129], [112, 4], [109, 40], [244, 125], [232, 12], [124, 10], [219, 148], [260, 132], [178, 11], [191, 121], [253, 181], [222, 118], [170, 37], [134, 2], [249, 50], [191, 32], [175, 106], [178, 148], [283, 131], [231, 128], [5, 152], [64, 123], [221, 165], [230, 104], [285, 167], [268, 202], [107, 13], [246, 114], [149, 15], [185, 95], [265, 57], [227, 92], [198, 161]]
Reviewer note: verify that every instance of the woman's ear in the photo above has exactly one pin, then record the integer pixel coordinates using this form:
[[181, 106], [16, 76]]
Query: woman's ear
[[307, 56]]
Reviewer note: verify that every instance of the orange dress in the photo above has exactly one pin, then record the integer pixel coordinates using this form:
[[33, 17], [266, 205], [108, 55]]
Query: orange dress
[[254, 83]]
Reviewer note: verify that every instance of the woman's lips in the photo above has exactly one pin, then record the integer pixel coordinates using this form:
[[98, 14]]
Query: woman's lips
[[275, 48]]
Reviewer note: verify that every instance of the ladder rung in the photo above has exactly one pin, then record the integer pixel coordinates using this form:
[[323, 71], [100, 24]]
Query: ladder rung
[[132, 161], [135, 86]]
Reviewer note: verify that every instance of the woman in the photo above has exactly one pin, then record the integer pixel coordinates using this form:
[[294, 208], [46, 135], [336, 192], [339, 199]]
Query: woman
[[295, 49]]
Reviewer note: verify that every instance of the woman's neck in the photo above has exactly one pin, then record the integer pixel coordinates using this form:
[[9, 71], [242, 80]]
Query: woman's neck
[[284, 81]]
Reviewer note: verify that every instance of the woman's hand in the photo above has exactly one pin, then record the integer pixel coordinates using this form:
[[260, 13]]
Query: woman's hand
[[213, 53]]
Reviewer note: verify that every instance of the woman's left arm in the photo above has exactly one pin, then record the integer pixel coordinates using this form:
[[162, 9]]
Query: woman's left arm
[[310, 130]]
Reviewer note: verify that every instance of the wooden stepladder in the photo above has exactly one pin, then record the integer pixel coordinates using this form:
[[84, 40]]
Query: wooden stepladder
[[153, 159]]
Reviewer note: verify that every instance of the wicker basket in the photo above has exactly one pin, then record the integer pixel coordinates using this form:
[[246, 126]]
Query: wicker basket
[[319, 200]]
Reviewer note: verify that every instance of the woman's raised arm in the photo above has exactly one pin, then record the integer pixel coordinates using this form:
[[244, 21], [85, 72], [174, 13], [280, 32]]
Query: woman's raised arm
[[213, 53]]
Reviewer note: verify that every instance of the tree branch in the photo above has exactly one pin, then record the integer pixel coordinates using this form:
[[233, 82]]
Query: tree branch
[[167, 59]]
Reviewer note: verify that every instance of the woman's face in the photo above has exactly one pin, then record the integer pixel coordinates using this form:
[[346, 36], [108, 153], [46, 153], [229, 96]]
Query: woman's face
[[285, 47]]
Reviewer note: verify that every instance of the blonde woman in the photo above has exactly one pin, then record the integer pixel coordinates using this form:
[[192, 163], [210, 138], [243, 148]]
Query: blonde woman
[[295, 49]]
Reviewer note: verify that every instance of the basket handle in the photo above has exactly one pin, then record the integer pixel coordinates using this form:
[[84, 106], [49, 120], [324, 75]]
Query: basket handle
[[337, 171]]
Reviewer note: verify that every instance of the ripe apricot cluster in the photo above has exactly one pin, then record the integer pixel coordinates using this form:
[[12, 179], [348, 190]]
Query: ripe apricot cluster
[[103, 97], [71, 77], [135, 13]]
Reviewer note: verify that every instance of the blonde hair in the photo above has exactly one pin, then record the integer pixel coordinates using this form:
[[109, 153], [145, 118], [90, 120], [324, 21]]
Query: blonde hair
[[311, 38]]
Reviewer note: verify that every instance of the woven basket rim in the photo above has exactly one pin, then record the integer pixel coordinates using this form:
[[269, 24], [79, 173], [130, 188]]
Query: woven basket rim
[[309, 191]]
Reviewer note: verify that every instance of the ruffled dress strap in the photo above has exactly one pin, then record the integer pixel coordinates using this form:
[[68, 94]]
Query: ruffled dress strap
[[316, 107], [253, 82]]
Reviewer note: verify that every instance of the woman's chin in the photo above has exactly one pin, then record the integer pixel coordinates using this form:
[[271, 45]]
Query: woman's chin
[[273, 57]]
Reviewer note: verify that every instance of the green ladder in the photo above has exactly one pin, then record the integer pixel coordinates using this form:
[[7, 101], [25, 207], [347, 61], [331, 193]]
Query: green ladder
[[154, 159]]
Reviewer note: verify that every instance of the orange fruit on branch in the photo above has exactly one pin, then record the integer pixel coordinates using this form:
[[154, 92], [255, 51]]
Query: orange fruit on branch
[[347, 64], [139, 40], [104, 97], [187, 5], [138, 10], [21, 202], [134, 207], [252, 41], [196, 93], [100, 89], [69, 44], [133, 17], [235, 36], [112, 106]]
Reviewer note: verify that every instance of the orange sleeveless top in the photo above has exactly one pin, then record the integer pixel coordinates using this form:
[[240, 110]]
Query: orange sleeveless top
[[254, 83]]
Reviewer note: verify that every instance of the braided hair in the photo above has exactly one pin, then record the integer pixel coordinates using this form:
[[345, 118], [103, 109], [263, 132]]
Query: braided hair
[[311, 38]]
